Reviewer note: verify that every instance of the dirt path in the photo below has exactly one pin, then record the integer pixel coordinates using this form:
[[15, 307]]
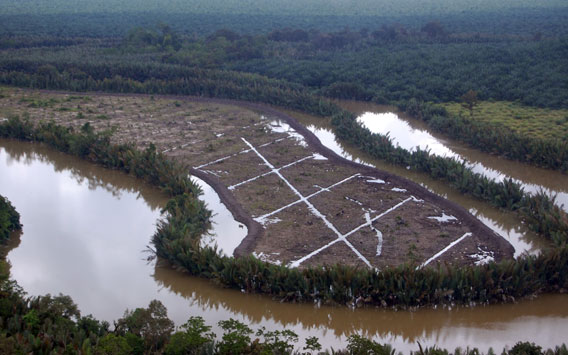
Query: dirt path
[[302, 203]]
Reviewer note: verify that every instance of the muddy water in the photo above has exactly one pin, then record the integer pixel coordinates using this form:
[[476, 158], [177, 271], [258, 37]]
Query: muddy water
[[85, 229], [408, 136]]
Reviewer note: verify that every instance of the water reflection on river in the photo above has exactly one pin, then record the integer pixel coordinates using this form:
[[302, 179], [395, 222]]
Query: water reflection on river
[[409, 133], [85, 229]]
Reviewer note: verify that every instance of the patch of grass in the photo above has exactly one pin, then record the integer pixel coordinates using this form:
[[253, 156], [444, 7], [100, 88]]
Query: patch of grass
[[102, 117], [81, 98], [531, 121], [34, 102]]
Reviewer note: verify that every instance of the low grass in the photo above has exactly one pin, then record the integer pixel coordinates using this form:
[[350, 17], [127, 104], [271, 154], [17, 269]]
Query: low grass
[[531, 121]]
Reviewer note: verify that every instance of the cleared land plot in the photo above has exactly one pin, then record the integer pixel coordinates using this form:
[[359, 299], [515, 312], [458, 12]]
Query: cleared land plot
[[530, 121], [303, 205]]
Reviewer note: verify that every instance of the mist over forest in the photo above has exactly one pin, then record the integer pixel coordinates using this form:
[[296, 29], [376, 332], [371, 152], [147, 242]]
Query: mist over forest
[[268, 7]]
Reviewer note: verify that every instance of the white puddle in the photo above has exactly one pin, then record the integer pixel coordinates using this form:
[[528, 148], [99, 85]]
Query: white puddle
[[376, 181], [278, 126], [319, 157], [444, 218], [266, 220], [226, 232], [268, 258], [483, 257]]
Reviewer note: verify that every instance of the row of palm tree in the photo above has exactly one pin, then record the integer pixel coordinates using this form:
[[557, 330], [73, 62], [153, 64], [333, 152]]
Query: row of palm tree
[[546, 153]]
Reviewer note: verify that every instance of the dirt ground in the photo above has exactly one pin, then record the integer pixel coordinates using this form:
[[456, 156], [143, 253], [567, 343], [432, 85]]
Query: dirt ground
[[303, 204]]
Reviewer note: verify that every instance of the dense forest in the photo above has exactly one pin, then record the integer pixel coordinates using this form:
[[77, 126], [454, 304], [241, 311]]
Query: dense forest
[[386, 64]]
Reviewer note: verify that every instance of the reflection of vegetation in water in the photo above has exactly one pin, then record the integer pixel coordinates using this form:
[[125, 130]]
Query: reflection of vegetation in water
[[9, 219], [114, 182]]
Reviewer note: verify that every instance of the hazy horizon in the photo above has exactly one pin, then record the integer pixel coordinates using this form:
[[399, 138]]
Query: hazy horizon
[[267, 7]]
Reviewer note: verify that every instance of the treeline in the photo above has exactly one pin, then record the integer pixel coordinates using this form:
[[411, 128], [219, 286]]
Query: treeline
[[9, 219], [513, 22], [158, 79], [54, 325], [393, 63], [387, 72], [388, 65], [546, 153], [37, 41]]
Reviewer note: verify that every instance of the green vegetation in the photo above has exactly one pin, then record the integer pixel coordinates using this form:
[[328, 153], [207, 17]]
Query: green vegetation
[[53, 324], [492, 137], [527, 121], [9, 219]]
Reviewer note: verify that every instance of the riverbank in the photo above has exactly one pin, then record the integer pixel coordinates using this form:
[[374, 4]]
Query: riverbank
[[254, 276], [51, 248]]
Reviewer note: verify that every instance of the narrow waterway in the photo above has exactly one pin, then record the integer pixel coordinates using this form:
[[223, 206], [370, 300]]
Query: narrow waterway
[[409, 133], [86, 229]]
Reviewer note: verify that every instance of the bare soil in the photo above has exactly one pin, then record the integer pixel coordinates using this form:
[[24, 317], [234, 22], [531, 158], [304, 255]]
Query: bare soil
[[302, 203]]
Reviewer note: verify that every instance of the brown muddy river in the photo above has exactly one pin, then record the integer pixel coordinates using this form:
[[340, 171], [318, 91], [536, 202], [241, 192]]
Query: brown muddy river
[[85, 230]]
